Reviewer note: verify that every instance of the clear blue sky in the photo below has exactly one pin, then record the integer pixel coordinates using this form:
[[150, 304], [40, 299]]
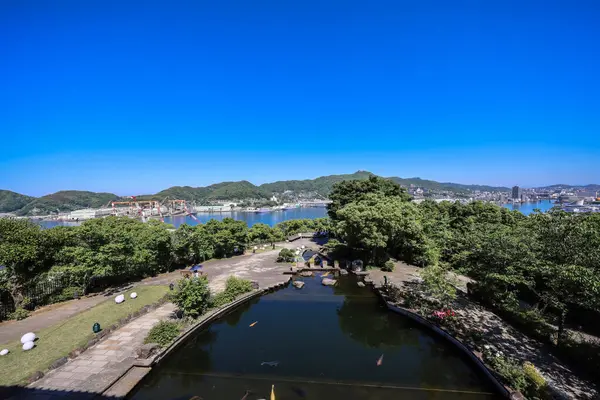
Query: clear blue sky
[[135, 96]]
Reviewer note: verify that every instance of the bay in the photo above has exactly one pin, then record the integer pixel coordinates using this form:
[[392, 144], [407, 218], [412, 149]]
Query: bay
[[270, 218], [528, 207]]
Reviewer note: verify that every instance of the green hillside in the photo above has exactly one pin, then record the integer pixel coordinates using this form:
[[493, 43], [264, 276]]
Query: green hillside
[[67, 200], [236, 190], [11, 201], [321, 185]]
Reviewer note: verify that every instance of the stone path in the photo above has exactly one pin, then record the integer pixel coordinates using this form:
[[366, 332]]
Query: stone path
[[102, 364]]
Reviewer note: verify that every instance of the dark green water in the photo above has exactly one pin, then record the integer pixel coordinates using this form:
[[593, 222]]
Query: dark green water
[[327, 342]]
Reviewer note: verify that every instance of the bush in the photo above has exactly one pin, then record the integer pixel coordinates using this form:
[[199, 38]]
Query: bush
[[512, 372], [233, 288], [192, 296], [536, 384], [286, 255], [163, 333], [19, 314], [388, 266]]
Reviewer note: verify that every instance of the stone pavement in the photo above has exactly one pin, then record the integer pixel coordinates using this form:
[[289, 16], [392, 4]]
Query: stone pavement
[[99, 366]]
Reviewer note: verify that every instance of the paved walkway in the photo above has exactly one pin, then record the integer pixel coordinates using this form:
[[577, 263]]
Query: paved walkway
[[102, 364]]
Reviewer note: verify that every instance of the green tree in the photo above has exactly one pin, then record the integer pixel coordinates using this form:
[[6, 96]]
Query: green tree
[[346, 192], [22, 253], [192, 296]]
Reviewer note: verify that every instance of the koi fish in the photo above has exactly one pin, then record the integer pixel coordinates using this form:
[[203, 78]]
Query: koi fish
[[254, 323], [325, 274], [246, 395], [380, 361], [272, 392], [270, 363]]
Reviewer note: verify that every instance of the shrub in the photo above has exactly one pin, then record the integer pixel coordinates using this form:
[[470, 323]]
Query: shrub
[[233, 288], [388, 266], [438, 284], [19, 314], [163, 333], [512, 372], [286, 255], [535, 382], [192, 296]]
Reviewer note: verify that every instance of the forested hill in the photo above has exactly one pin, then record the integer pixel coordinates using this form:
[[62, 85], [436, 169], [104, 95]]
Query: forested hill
[[11, 202], [67, 200]]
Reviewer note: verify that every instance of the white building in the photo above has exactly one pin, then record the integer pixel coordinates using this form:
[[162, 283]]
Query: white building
[[89, 213]]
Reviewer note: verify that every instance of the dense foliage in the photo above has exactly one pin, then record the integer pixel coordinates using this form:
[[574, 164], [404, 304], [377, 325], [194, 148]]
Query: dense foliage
[[234, 287], [192, 296], [536, 270], [163, 333]]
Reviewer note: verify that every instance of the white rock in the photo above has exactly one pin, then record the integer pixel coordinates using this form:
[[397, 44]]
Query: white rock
[[133, 295], [4, 352], [119, 299], [28, 337], [28, 346]]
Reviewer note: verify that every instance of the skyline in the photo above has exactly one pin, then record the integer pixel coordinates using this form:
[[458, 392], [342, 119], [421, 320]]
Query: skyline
[[134, 97]]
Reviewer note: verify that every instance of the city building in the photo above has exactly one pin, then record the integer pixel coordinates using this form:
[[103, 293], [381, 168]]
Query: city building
[[517, 192]]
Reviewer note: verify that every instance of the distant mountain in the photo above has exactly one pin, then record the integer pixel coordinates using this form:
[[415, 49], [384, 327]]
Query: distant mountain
[[11, 201], [67, 200], [241, 190], [321, 185]]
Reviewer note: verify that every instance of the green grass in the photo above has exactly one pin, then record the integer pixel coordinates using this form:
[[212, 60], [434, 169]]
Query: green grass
[[60, 339]]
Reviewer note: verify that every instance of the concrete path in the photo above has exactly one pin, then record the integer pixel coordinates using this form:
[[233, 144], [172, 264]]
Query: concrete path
[[102, 364]]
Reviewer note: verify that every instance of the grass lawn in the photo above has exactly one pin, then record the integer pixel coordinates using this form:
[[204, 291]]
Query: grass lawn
[[60, 339]]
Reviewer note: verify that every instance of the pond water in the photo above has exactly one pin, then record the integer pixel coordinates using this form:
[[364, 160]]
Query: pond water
[[326, 342]]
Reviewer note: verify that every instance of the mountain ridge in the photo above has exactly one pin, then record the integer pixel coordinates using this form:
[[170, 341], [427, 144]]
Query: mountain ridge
[[69, 200]]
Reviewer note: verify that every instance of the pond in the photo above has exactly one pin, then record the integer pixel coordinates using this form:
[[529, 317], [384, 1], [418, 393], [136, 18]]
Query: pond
[[325, 342]]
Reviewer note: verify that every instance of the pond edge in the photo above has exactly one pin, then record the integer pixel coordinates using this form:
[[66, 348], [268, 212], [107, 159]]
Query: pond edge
[[502, 389], [125, 383]]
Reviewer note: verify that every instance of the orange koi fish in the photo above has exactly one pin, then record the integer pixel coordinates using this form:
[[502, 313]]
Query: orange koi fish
[[254, 323], [380, 361]]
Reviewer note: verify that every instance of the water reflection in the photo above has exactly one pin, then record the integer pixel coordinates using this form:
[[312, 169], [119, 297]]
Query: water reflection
[[326, 341]]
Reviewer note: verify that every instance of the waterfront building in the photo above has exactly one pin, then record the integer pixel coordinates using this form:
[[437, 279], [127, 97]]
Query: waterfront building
[[89, 213], [517, 193]]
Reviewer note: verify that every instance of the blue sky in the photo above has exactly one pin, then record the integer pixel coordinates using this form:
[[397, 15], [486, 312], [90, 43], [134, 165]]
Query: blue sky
[[135, 96]]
